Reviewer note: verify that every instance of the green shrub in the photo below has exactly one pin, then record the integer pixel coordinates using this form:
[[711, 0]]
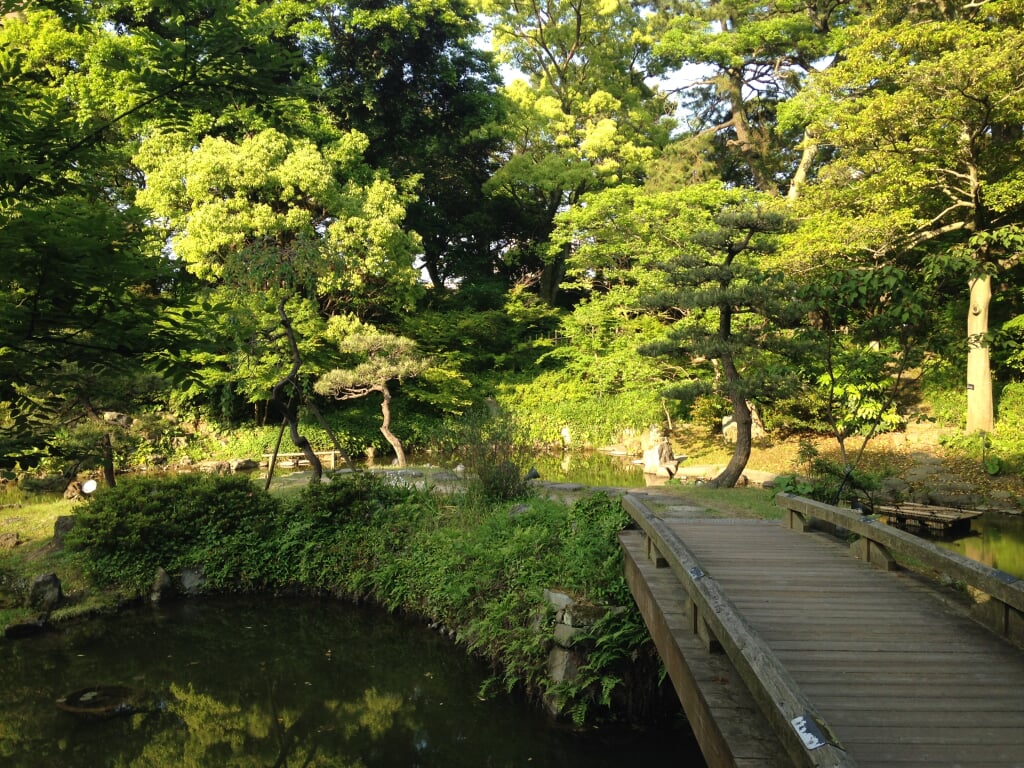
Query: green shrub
[[491, 446], [217, 524], [826, 480], [337, 536], [553, 401]]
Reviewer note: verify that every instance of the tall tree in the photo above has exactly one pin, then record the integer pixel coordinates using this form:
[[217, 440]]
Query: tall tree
[[407, 75], [717, 285], [925, 116], [78, 278], [584, 118], [750, 57], [376, 360], [288, 223]]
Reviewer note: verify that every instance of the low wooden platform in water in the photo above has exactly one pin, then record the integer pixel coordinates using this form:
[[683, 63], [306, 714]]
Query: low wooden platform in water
[[885, 668], [941, 520]]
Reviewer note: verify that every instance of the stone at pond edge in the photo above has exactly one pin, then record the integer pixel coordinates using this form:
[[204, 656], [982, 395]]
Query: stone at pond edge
[[9, 540], [191, 582], [565, 635], [558, 600], [162, 587], [562, 664], [105, 701], [45, 593]]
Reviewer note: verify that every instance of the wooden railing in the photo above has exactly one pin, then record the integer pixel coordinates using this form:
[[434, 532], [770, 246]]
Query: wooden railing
[[801, 729], [1001, 603], [328, 458]]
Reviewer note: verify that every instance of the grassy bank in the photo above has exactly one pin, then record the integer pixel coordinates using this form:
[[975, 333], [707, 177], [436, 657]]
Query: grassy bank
[[474, 568]]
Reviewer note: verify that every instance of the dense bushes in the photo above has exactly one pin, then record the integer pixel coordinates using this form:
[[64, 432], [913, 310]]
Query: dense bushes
[[554, 401], [175, 522], [478, 569]]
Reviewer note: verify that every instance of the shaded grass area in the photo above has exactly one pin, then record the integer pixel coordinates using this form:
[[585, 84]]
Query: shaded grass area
[[31, 516]]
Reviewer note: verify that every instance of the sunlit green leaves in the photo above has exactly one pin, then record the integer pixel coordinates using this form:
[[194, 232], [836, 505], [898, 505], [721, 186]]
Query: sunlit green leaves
[[271, 212]]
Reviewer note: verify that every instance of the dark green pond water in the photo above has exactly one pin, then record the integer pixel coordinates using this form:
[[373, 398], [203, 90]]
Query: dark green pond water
[[284, 683]]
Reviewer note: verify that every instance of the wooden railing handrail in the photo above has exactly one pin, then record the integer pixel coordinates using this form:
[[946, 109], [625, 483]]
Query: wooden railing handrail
[[282, 455], [788, 710], [1000, 585]]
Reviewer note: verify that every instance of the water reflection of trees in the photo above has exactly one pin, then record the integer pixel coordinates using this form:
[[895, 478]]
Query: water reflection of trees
[[197, 729], [997, 541]]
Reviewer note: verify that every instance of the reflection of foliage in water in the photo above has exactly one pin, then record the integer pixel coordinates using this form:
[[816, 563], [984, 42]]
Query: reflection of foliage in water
[[479, 569], [377, 714], [593, 469], [280, 682], [218, 733], [996, 540]]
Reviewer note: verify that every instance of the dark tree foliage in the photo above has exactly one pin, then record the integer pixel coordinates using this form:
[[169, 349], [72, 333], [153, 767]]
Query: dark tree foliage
[[407, 75]]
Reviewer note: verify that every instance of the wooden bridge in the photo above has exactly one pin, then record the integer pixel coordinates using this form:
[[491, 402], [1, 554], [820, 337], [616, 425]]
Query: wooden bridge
[[788, 646]]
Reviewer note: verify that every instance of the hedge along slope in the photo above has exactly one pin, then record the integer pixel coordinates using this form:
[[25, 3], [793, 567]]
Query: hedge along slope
[[477, 568]]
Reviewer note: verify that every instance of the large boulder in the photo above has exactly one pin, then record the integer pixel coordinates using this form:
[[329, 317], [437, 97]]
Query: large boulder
[[61, 526], [660, 460], [191, 582], [163, 586]]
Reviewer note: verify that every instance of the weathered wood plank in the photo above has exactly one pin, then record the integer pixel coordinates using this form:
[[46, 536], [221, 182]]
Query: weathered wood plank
[[721, 712], [900, 672], [787, 710], [997, 583]]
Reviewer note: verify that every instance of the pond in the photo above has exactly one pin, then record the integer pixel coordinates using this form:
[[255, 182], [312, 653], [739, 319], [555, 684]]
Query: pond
[[996, 540], [283, 682], [599, 470]]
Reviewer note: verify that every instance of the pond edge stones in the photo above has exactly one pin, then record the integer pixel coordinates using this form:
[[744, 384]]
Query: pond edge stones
[[568, 654]]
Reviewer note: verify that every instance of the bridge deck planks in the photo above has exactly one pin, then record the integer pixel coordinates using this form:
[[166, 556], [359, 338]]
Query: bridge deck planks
[[722, 714], [902, 677]]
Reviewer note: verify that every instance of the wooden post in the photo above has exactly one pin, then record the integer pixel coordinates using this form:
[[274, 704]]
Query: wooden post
[[872, 552], [796, 521], [654, 555]]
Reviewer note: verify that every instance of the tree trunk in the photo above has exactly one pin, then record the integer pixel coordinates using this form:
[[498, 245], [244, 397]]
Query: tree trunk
[[290, 414], [551, 277], [751, 146], [809, 150], [107, 451], [385, 426], [273, 456], [744, 421], [106, 447], [979, 372]]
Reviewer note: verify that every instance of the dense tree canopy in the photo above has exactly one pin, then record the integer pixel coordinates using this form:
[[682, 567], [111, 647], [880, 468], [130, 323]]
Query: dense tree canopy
[[924, 114], [189, 195]]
